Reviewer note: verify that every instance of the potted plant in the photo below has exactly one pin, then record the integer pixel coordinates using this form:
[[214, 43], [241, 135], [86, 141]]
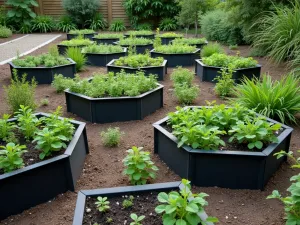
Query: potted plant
[[43, 67], [167, 38], [140, 34], [100, 55], [176, 54], [109, 38], [208, 68], [141, 45], [219, 146], [142, 204], [198, 42], [134, 63], [134, 95], [79, 43], [86, 34], [41, 156]]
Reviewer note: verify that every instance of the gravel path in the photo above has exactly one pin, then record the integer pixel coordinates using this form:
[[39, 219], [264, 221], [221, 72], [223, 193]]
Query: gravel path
[[24, 46]]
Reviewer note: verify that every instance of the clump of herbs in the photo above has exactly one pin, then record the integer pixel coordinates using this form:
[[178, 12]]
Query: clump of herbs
[[11, 157], [140, 60], [190, 41], [77, 56], [82, 32], [136, 219], [77, 42], [103, 49], [175, 49], [135, 41], [225, 83], [170, 35], [109, 36], [61, 83], [139, 32], [111, 137]]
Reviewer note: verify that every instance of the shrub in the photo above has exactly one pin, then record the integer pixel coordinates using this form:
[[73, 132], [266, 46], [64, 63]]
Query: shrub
[[168, 24], [81, 11], [182, 75], [102, 49], [81, 32], [186, 94], [76, 55], [144, 26], [211, 49], [171, 35], [20, 92], [225, 83], [65, 24], [234, 62], [25, 28], [135, 41], [139, 167], [139, 32], [97, 22], [279, 100], [140, 60], [175, 48], [77, 42], [61, 83], [111, 137], [109, 35], [43, 24], [189, 41], [5, 32], [117, 25]]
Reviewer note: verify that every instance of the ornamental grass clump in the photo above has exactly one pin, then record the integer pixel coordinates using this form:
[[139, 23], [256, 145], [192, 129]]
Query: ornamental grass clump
[[140, 60], [279, 100], [77, 56], [190, 41], [77, 42], [135, 41], [102, 49], [175, 49], [82, 32]]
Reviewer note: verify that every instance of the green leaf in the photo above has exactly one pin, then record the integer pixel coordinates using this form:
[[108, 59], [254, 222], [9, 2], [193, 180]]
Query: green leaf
[[191, 207], [137, 176], [258, 144], [11, 13], [160, 209], [193, 218], [168, 220], [180, 222], [163, 197], [169, 209]]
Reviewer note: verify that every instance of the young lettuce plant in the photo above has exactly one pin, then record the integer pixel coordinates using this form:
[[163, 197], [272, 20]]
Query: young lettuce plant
[[102, 204], [139, 166], [183, 207], [11, 157], [136, 219]]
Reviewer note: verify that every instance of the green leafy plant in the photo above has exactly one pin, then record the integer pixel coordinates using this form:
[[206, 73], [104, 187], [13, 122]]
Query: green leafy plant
[[185, 93], [65, 24], [279, 100], [190, 41], [182, 75], [144, 26], [139, 32], [5, 32], [11, 157], [109, 35], [61, 83], [157, 40], [117, 25], [233, 47], [225, 83], [82, 32], [20, 92], [44, 102], [97, 22], [127, 203], [77, 42], [3, 16], [175, 49], [135, 41], [139, 167], [25, 28], [76, 55], [183, 207], [102, 204], [168, 24], [109, 220], [103, 49], [170, 35], [111, 137], [140, 60], [6, 128], [211, 49], [43, 24], [136, 219]]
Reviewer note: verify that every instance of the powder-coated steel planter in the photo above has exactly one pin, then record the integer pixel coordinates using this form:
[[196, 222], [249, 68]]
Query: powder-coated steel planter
[[140, 49], [167, 40], [128, 190], [38, 183], [108, 41], [180, 59], [115, 109], [86, 36], [209, 73], [102, 59], [44, 75], [63, 48], [160, 71], [227, 169], [148, 36]]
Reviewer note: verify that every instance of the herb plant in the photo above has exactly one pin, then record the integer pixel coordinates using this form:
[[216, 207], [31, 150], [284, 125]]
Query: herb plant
[[171, 35], [144, 26], [11, 157], [82, 32], [183, 207], [61, 83], [109, 35], [175, 49], [185, 93], [135, 41], [136, 219], [127, 203], [182, 75], [190, 41], [140, 60], [102, 49], [139, 167], [111, 137], [5, 32], [102, 204], [77, 42], [211, 49], [6, 127], [225, 83], [97, 22], [139, 32]]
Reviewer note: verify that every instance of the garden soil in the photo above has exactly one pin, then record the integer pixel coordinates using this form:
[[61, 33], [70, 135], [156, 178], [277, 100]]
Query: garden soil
[[103, 166]]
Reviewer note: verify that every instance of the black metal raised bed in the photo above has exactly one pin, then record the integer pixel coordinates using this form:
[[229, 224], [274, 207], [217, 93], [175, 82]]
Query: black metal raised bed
[[102, 59], [148, 36], [108, 41], [209, 73], [38, 183], [44, 75], [120, 191], [227, 169], [87, 36], [63, 48], [115, 109], [140, 49], [160, 71], [178, 59]]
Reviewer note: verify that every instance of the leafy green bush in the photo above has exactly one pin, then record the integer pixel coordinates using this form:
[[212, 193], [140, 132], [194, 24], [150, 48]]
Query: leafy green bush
[[43, 24], [211, 49], [5, 32], [77, 56], [65, 24], [175, 49], [275, 99], [20, 92], [139, 32], [234, 62], [111, 137], [168, 24], [61, 83], [97, 22], [140, 60], [77, 42], [170, 35], [109, 35], [102, 48], [135, 41], [81, 11], [185, 93], [144, 26], [182, 75], [121, 84], [189, 41], [82, 32], [139, 167], [225, 83], [117, 25], [11, 157]]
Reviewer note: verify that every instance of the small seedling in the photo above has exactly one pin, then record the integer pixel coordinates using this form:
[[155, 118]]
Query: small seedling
[[102, 204], [111, 137], [233, 47], [109, 220], [137, 219], [44, 102], [127, 203]]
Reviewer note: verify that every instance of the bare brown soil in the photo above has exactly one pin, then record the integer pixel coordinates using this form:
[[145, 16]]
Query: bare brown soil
[[103, 166]]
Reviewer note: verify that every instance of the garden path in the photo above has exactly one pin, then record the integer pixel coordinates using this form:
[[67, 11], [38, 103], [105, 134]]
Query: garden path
[[24, 46]]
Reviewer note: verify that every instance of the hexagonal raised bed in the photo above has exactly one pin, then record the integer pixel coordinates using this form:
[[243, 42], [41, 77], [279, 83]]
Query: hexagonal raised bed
[[140, 49], [102, 59], [234, 169], [38, 183]]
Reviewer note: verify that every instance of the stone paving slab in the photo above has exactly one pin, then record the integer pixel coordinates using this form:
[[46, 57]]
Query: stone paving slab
[[24, 46]]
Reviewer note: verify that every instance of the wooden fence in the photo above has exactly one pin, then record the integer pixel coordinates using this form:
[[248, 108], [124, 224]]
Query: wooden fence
[[111, 9]]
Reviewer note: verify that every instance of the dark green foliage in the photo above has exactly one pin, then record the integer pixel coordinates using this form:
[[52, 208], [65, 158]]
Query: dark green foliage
[[97, 22], [77, 56], [5, 32], [3, 16], [43, 24], [144, 26], [211, 49], [168, 24], [65, 24], [117, 25], [140, 60]]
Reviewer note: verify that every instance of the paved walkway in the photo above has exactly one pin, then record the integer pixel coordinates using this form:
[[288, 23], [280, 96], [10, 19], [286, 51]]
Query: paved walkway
[[24, 46]]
